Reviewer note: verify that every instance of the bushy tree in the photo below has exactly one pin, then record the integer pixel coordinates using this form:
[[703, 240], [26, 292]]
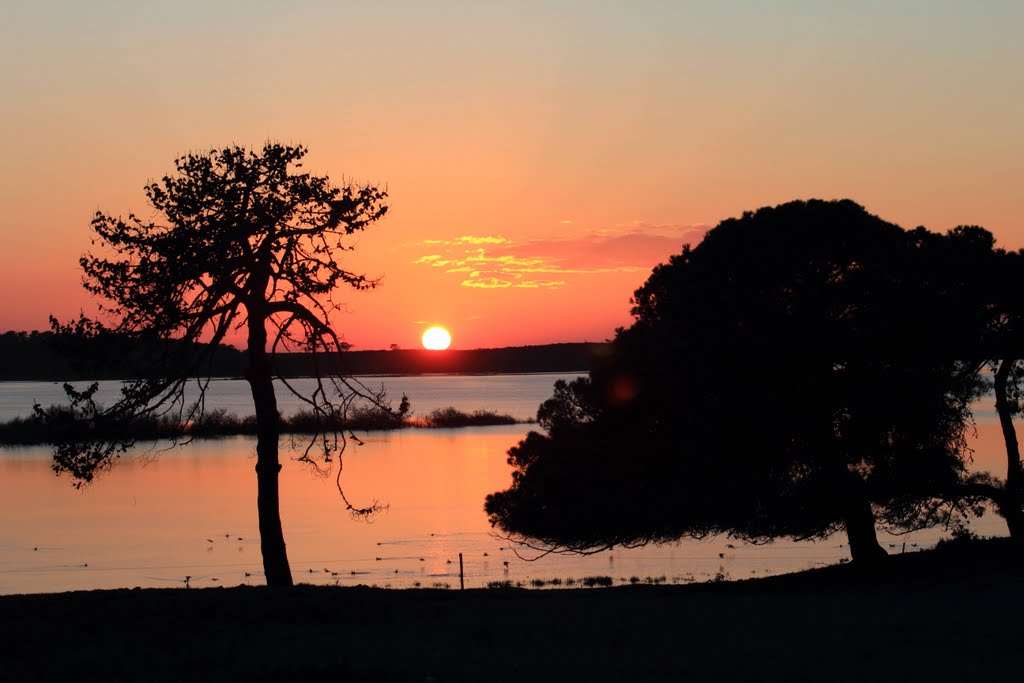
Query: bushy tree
[[988, 277], [781, 379], [246, 242]]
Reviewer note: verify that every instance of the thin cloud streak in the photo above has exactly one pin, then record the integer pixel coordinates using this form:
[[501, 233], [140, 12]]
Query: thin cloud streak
[[496, 262]]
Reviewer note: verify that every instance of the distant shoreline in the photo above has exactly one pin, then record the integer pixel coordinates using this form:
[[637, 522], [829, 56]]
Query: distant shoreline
[[43, 357], [240, 378]]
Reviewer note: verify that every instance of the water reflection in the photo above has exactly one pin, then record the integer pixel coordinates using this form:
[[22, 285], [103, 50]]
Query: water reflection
[[192, 513]]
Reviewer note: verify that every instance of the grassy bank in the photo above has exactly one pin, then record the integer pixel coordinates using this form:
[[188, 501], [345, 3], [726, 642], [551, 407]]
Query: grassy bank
[[218, 423], [953, 614]]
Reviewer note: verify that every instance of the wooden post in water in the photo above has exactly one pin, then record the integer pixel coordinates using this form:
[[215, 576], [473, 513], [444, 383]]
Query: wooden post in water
[[462, 577]]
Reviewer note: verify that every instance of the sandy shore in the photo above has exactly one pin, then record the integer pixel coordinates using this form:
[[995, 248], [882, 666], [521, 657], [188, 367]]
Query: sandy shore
[[938, 616]]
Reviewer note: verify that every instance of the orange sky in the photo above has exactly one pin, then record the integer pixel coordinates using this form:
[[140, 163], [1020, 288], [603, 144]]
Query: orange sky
[[541, 156]]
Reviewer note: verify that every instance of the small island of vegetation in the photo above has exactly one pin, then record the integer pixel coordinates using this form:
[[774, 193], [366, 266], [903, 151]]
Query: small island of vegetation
[[63, 425]]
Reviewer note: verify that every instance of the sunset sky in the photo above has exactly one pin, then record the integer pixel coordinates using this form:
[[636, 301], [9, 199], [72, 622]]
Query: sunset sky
[[540, 157]]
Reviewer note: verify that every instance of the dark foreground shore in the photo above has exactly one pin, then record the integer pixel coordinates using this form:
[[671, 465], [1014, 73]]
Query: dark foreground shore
[[949, 615]]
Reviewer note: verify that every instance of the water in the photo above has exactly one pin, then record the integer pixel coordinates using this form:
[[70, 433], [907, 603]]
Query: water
[[516, 395], [191, 512]]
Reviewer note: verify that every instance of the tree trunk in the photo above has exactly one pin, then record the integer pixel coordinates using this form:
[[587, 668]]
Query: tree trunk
[[1011, 506], [275, 557], [860, 525], [1011, 511]]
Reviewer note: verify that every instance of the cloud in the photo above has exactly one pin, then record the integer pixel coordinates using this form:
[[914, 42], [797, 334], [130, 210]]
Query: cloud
[[496, 262], [506, 261], [468, 239], [541, 284], [497, 283], [639, 244], [471, 239], [573, 271], [487, 283]]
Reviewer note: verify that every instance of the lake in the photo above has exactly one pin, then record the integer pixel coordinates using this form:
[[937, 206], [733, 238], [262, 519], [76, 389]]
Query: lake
[[163, 515], [516, 395]]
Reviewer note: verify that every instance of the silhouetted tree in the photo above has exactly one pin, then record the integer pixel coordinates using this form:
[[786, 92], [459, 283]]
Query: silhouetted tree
[[987, 278], [246, 242], [1007, 362], [779, 380], [1008, 495], [984, 322]]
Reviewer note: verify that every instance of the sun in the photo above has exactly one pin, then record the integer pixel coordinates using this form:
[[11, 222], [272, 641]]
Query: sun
[[436, 339]]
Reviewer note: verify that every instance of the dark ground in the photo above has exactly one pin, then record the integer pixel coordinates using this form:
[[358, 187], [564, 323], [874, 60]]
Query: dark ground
[[950, 615]]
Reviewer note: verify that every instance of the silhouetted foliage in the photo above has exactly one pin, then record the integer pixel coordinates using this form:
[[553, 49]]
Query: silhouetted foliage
[[451, 417], [991, 278], [976, 283], [246, 242], [782, 378]]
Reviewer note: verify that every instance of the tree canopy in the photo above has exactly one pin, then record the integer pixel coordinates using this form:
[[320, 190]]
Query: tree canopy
[[246, 242], [799, 372]]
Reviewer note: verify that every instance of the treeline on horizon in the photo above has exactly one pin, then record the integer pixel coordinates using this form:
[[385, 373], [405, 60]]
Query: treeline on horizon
[[49, 357]]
